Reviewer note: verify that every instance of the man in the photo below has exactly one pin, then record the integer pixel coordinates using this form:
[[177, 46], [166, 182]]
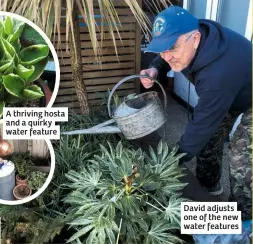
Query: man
[[218, 62]]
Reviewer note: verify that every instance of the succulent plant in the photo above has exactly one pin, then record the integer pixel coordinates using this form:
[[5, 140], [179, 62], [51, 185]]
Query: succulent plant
[[19, 66]]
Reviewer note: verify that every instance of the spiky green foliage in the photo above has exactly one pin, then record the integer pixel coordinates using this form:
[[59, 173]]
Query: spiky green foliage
[[22, 161], [126, 195], [46, 213]]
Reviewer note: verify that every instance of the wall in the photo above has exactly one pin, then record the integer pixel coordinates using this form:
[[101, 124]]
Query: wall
[[234, 15], [181, 88], [230, 14]]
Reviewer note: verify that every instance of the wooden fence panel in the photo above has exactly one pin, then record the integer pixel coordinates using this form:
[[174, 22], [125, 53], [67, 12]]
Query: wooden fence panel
[[37, 148], [101, 75]]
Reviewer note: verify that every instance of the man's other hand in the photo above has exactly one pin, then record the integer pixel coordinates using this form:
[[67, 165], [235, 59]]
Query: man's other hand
[[152, 72]]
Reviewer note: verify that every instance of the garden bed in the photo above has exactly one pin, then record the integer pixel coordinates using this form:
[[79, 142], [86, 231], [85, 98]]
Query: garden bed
[[48, 218], [193, 190]]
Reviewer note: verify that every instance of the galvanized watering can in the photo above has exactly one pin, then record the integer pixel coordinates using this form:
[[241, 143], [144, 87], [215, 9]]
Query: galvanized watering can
[[135, 117]]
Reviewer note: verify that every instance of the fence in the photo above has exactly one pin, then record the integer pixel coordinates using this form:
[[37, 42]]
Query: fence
[[37, 148], [99, 77]]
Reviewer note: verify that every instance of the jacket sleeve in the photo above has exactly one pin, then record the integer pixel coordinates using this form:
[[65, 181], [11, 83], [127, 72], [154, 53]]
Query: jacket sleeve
[[210, 111], [161, 65]]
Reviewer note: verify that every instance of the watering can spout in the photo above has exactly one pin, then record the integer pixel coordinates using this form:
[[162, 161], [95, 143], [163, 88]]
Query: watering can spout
[[98, 129]]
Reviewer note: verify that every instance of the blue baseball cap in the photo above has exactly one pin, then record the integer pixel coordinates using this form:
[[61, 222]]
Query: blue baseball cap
[[168, 26]]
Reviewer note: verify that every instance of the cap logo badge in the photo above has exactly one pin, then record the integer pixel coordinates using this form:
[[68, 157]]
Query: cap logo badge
[[159, 27]]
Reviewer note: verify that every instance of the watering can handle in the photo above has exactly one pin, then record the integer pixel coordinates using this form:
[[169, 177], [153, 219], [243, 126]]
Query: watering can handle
[[128, 78]]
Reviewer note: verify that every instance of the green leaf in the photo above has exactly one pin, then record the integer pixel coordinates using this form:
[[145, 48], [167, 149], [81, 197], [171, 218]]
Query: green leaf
[[38, 70], [101, 236], [173, 186], [81, 232], [2, 105], [173, 210], [151, 186], [9, 70], [159, 233], [17, 31], [23, 72], [123, 170], [33, 92], [110, 235], [1, 28], [5, 65], [8, 26], [153, 155], [2, 89], [85, 181], [143, 224], [130, 204], [34, 54], [165, 152], [144, 199], [106, 153], [119, 149], [8, 50], [160, 147], [17, 46], [14, 85], [81, 221], [92, 238]]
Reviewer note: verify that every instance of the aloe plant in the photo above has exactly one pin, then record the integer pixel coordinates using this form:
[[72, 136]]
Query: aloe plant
[[19, 66], [126, 196]]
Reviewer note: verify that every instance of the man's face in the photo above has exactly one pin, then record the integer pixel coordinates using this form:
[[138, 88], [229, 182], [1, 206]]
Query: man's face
[[183, 51]]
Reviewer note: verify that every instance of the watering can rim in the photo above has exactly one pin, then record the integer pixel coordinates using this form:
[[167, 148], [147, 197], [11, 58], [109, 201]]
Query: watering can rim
[[137, 111], [128, 78]]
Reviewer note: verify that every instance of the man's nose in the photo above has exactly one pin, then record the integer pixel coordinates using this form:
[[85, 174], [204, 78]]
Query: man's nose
[[166, 56]]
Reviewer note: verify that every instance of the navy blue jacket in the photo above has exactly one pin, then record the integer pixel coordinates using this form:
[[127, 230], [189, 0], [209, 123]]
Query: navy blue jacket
[[221, 72]]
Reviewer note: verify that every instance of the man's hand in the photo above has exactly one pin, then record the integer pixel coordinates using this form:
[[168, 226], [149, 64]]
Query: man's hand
[[152, 72]]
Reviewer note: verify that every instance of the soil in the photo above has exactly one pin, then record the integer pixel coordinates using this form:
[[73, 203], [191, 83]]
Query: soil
[[22, 191], [28, 103], [20, 177]]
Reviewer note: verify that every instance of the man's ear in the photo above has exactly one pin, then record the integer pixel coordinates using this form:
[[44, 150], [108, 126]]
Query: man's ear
[[197, 38]]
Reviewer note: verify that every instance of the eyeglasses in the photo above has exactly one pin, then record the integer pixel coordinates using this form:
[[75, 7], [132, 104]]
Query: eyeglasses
[[175, 48], [189, 37]]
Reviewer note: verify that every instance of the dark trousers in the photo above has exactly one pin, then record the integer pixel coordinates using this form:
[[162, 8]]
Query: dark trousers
[[209, 161]]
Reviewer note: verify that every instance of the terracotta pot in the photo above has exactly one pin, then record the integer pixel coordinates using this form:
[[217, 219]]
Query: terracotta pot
[[47, 92], [20, 181], [21, 191]]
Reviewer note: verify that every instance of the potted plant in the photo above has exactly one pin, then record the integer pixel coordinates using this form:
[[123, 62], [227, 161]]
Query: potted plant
[[126, 196], [36, 180], [20, 66], [22, 161], [22, 176], [21, 191]]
